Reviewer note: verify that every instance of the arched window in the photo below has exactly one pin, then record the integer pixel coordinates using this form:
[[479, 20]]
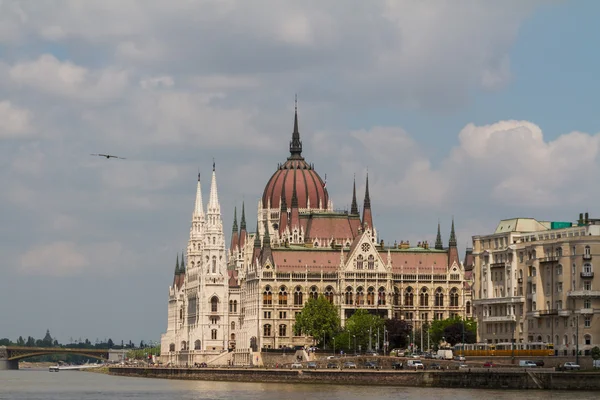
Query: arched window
[[360, 296], [454, 297], [214, 264], [587, 251], [396, 296], [408, 297], [283, 296], [282, 330], [172, 347], [213, 334], [587, 340], [439, 297], [348, 296], [233, 336], [183, 345], [314, 293], [329, 294], [235, 306], [371, 262], [230, 305], [267, 296], [233, 325], [197, 345], [214, 301], [267, 330], [468, 309], [370, 296], [298, 296], [381, 296], [359, 262], [424, 297], [565, 340]]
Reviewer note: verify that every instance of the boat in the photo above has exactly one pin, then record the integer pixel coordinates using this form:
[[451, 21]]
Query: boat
[[53, 368]]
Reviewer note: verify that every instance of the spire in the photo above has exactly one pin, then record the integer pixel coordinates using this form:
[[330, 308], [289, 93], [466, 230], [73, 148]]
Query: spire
[[354, 207], [452, 242], [213, 199], [198, 207], [257, 237], [234, 232], [294, 194], [367, 220], [243, 221], [182, 266], [283, 203], [177, 265], [438, 240], [296, 143], [235, 225], [266, 236], [367, 197]]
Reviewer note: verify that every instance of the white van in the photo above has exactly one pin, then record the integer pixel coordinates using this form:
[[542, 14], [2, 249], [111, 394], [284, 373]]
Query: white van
[[596, 363], [444, 355], [527, 364], [416, 364]]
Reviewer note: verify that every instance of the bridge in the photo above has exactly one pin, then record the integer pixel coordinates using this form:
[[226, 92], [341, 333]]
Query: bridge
[[10, 355]]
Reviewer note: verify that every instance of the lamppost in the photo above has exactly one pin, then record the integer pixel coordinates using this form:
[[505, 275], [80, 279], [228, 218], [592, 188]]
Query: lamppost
[[354, 336], [334, 346], [577, 342]]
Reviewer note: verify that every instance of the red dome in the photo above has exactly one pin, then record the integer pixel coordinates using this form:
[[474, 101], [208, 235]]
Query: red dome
[[309, 185]]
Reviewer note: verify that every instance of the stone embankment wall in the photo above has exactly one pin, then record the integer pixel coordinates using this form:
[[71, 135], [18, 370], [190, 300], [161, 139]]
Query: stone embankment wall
[[475, 378]]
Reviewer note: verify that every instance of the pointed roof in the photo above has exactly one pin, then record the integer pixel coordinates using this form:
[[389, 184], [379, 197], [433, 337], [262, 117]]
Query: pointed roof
[[198, 210], [367, 203], [266, 236], [294, 193], [243, 221], [452, 241], [354, 207], [235, 224], [182, 265], [296, 143], [177, 265], [438, 240], [283, 203], [257, 236], [213, 199]]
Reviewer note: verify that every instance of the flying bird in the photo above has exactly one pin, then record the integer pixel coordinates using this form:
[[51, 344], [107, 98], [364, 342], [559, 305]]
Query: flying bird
[[108, 156]]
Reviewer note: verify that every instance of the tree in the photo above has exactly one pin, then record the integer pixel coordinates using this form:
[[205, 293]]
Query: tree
[[110, 343], [319, 318], [596, 353], [30, 342], [362, 326], [398, 331], [20, 341], [437, 332], [5, 342]]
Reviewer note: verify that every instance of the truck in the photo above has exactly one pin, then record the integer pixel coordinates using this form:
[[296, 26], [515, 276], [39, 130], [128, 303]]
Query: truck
[[569, 366], [444, 354]]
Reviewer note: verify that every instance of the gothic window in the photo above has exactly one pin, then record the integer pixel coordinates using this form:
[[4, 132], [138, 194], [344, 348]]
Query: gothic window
[[172, 347], [454, 297], [314, 294], [233, 325], [183, 345], [370, 296], [359, 262], [232, 336], [424, 297], [181, 313], [214, 301], [381, 296], [348, 296], [408, 297], [468, 307], [439, 297], [283, 296], [371, 262], [230, 305], [267, 296], [329, 294], [214, 264], [360, 296], [588, 340], [365, 247], [298, 296], [197, 345], [235, 306], [213, 334], [214, 240], [282, 330], [396, 296], [267, 330]]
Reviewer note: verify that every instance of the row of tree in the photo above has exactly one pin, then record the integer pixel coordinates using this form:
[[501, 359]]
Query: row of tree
[[320, 319]]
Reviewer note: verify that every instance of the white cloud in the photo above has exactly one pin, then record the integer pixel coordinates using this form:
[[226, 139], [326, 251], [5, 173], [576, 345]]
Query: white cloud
[[156, 82], [54, 259], [14, 121]]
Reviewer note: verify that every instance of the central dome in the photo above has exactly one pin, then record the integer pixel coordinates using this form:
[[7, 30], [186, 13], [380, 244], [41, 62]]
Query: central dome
[[296, 174]]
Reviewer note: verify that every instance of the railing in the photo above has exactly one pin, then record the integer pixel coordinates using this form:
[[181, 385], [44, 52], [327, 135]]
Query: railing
[[548, 259], [502, 318], [587, 256], [583, 293], [552, 311], [587, 274], [498, 265]]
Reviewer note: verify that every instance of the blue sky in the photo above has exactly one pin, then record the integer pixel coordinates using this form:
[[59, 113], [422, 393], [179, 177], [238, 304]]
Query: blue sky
[[467, 109]]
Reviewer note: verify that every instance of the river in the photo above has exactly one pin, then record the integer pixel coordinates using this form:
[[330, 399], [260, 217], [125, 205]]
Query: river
[[77, 385]]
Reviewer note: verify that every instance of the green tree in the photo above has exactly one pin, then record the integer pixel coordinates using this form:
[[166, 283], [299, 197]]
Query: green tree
[[5, 342], [20, 341], [398, 331], [596, 353], [319, 318], [110, 343], [361, 326], [451, 329], [30, 341]]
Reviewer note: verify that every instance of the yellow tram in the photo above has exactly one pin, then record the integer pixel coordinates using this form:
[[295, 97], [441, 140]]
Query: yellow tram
[[504, 349]]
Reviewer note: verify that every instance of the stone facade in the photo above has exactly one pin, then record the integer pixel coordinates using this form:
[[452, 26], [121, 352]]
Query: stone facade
[[534, 282]]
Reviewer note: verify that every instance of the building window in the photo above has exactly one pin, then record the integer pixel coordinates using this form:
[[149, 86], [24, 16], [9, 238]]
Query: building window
[[298, 296], [213, 334], [314, 294], [233, 325], [348, 296], [424, 297], [235, 306], [587, 303], [559, 270], [214, 301], [282, 314], [197, 345], [381, 296], [283, 296], [587, 250], [371, 262], [329, 294], [267, 330], [282, 330], [439, 297], [360, 296], [172, 347], [587, 285], [468, 309], [587, 322], [359, 262], [214, 264], [588, 340], [214, 320], [520, 256], [230, 305], [267, 314], [396, 296], [408, 297], [370, 296], [454, 297], [267, 296], [559, 287]]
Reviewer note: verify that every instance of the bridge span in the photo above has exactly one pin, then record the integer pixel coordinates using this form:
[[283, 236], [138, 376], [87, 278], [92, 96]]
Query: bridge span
[[10, 355]]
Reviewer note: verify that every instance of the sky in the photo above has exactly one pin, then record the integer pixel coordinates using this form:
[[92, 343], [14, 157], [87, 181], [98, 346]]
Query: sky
[[472, 110]]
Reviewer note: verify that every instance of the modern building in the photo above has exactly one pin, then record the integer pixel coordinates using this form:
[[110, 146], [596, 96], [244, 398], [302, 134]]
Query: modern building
[[225, 305], [534, 282]]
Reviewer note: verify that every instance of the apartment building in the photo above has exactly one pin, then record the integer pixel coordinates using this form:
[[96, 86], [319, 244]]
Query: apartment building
[[534, 282]]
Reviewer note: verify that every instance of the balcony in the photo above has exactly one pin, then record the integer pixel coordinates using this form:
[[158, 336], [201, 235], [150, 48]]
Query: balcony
[[552, 311], [533, 314], [548, 259], [500, 300], [587, 256], [498, 265], [586, 311], [564, 313], [588, 274], [583, 293], [502, 318]]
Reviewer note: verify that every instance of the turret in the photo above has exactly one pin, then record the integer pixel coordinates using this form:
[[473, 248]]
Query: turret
[[295, 217], [438, 240], [243, 232], [283, 214], [296, 143], [367, 221], [452, 249], [354, 207], [266, 254], [234, 232]]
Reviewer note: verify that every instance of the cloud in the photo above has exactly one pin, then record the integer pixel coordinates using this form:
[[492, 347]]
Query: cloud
[[16, 122], [54, 259]]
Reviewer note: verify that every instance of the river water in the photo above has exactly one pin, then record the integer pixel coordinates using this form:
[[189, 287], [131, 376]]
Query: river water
[[79, 385]]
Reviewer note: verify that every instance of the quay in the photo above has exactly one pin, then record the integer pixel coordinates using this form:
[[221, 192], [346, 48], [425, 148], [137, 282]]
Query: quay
[[475, 378]]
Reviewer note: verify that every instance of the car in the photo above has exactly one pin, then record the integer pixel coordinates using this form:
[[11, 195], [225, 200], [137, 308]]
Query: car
[[371, 365], [330, 357], [463, 366], [371, 353], [296, 366], [435, 366], [332, 365], [489, 364], [569, 366], [311, 365], [459, 358], [349, 364], [415, 364], [397, 365], [539, 363]]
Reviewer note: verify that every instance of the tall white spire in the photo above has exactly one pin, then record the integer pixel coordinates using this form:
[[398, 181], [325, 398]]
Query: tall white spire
[[213, 199], [199, 206]]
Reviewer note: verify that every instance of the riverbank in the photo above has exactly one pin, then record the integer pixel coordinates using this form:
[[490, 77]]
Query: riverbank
[[476, 378]]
